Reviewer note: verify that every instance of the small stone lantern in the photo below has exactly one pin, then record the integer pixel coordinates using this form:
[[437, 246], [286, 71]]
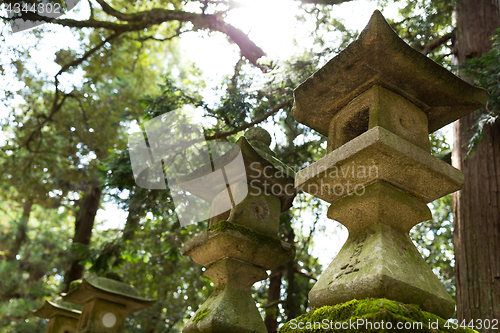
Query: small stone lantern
[[240, 243], [105, 304], [377, 101], [63, 316]]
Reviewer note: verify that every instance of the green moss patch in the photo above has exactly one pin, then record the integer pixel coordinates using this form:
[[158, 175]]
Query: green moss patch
[[370, 315], [200, 315], [254, 236]]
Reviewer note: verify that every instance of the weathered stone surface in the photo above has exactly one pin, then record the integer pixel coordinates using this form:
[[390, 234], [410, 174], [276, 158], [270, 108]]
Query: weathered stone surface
[[220, 207], [381, 262], [62, 324], [229, 240], [258, 134], [379, 107], [381, 203], [50, 309], [63, 316], [236, 256], [367, 315], [259, 139], [102, 316], [378, 154], [108, 289], [377, 101], [106, 303], [262, 170], [231, 307], [259, 211], [237, 252], [380, 57]]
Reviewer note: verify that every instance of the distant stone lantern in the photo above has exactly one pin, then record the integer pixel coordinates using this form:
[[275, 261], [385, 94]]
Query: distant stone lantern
[[377, 101], [63, 316], [240, 243], [105, 304]]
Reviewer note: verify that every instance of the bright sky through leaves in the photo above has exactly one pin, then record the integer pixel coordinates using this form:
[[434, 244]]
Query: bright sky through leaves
[[271, 24]]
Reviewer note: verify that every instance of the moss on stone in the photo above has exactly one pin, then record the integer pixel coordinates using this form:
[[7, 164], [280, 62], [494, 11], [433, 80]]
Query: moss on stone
[[74, 284], [201, 315], [114, 286], [372, 311], [254, 236]]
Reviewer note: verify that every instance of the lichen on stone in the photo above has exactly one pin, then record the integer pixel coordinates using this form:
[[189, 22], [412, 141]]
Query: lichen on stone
[[330, 318]]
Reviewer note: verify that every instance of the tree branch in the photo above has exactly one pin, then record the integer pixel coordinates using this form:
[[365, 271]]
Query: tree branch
[[324, 2], [113, 12], [306, 275], [87, 54], [436, 43], [395, 25], [274, 303], [156, 16], [236, 75], [56, 106], [255, 122]]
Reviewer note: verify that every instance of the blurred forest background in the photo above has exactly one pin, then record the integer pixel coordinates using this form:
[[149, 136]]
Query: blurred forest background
[[67, 111]]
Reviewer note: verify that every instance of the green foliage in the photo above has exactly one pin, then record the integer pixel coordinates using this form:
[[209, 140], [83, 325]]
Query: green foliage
[[54, 142], [51, 154], [485, 71], [423, 23], [35, 273], [170, 99], [153, 264]]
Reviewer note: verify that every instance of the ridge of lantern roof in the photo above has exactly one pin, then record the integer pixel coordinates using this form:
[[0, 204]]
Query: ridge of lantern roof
[[59, 307]]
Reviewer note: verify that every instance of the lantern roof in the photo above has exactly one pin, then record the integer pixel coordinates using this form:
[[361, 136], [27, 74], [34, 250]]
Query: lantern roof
[[380, 57], [110, 290]]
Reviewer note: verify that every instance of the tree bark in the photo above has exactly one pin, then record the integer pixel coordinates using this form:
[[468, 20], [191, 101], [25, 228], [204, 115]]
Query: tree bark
[[273, 297], [22, 230], [84, 224], [135, 210], [476, 208], [292, 306]]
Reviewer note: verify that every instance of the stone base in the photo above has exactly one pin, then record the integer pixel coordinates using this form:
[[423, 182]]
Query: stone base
[[230, 240], [381, 262], [236, 257], [231, 307], [370, 314]]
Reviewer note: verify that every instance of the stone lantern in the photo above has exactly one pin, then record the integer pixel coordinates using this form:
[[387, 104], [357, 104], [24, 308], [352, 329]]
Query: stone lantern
[[63, 316], [377, 101], [105, 304], [240, 243]]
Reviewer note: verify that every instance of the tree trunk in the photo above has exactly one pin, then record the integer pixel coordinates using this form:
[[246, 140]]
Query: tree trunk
[[22, 230], [84, 223], [477, 207], [292, 306], [135, 210], [273, 297]]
